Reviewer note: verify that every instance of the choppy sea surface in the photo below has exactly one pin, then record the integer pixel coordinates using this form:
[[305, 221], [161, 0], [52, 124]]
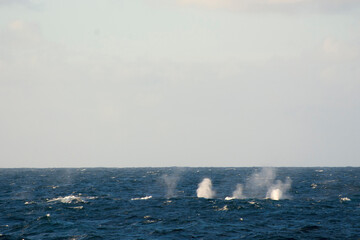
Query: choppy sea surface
[[180, 203]]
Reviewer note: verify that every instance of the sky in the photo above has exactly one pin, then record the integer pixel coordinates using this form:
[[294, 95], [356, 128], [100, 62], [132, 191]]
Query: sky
[[199, 83]]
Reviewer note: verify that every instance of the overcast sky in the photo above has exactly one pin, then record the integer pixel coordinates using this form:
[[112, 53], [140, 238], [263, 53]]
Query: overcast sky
[[137, 83]]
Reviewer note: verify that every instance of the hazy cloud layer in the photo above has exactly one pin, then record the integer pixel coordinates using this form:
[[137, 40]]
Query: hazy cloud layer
[[276, 5], [27, 3], [199, 89]]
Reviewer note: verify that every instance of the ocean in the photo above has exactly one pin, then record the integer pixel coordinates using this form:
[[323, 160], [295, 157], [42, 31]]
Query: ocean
[[180, 203]]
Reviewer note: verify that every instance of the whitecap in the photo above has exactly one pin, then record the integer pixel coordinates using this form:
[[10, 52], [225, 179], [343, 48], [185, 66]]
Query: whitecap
[[345, 199], [229, 198], [225, 208], [142, 198], [78, 207], [70, 199]]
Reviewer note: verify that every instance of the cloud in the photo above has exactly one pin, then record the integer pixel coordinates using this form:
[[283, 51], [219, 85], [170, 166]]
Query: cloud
[[275, 5]]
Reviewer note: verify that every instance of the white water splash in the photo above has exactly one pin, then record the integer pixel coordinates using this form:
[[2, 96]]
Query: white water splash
[[205, 189], [262, 184], [170, 183], [238, 193], [260, 180], [279, 190]]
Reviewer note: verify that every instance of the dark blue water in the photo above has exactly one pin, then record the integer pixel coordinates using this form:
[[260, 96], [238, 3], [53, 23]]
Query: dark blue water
[[161, 203]]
